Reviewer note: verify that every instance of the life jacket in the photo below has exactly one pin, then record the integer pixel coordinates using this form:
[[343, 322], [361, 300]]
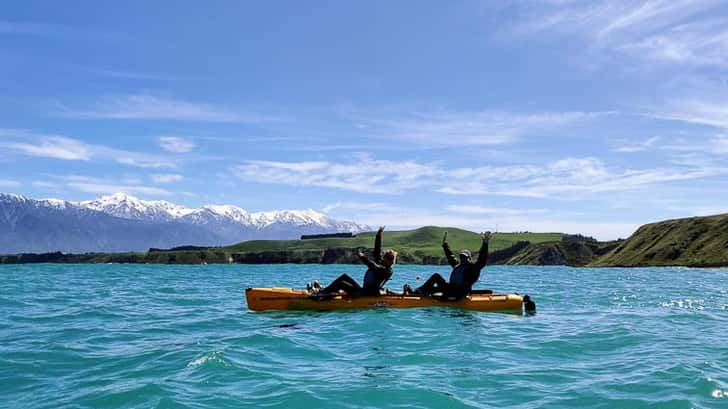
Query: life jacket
[[374, 279], [457, 277]]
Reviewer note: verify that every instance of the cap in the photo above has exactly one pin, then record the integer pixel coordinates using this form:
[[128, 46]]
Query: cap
[[465, 253]]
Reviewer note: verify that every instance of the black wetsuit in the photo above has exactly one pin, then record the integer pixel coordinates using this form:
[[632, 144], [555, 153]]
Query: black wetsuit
[[462, 277], [375, 277]]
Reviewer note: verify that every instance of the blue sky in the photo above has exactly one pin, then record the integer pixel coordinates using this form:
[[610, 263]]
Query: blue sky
[[558, 115]]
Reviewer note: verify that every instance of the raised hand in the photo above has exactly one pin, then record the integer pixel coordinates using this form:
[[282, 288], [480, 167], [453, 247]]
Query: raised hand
[[381, 229], [444, 238], [486, 236]]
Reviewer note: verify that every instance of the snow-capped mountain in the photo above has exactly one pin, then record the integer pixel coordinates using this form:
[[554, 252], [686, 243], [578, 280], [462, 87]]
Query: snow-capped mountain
[[129, 207], [121, 222]]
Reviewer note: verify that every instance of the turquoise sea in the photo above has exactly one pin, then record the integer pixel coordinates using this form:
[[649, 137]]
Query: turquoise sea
[[144, 336]]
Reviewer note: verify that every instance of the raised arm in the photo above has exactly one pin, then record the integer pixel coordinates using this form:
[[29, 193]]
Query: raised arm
[[364, 259], [378, 245], [448, 253], [483, 254]]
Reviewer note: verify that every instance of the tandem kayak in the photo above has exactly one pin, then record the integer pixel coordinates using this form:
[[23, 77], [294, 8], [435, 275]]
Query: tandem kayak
[[264, 299]]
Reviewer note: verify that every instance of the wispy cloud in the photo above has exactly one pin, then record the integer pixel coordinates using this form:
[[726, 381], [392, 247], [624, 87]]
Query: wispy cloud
[[176, 144], [495, 211], [58, 31], [564, 179], [145, 106], [720, 144], [659, 30], [32, 28], [708, 110], [367, 175], [9, 183], [369, 206], [45, 184], [120, 73], [65, 148], [437, 129], [108, 186], [56, 147], [698, 43], [505, 220], [166, 177], [639, 146]]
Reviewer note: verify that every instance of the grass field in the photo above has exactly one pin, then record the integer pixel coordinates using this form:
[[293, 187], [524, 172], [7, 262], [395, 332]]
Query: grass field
[[695, 241], [418, 246], [425, 240]]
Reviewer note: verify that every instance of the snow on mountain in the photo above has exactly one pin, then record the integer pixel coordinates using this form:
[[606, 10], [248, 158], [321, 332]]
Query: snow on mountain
[[28, 225], [121, 222], [129, 207]]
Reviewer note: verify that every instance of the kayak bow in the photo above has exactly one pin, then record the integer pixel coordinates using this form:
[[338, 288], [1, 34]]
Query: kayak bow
[[263, 299]]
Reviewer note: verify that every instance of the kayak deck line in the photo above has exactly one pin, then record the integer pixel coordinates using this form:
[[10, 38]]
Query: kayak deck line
[[282, 299]]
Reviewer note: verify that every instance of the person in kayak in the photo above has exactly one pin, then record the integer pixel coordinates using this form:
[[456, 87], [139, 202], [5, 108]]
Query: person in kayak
[[464, 273], [378, 272]]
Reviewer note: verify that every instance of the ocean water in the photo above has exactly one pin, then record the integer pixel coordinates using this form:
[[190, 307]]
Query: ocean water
[[144, 336]]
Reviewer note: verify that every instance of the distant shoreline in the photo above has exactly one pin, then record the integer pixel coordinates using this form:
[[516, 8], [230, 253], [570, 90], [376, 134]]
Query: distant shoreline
[[698, 242]]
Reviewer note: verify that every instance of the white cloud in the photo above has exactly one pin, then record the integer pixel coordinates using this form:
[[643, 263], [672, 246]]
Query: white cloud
[[495, 211], [144, 106], [9, 183], [568, 178], [65, 148], [720, 144], [176, 144], [370, 206], [435, 129], [368, 175], [166, 177], [56, 147], [698, 43], [672, 31], [44, 184], [699, 210], [107, 186], [638, 147], [32, 28], [707, 110], [547, 222]]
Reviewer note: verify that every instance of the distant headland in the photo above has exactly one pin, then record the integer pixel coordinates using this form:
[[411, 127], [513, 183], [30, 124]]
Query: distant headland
[[691, 242]]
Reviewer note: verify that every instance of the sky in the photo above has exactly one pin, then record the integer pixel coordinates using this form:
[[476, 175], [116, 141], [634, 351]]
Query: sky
[[540, 115]]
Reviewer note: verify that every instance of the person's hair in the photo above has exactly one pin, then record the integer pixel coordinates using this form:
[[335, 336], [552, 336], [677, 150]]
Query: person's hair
[[392, 255]]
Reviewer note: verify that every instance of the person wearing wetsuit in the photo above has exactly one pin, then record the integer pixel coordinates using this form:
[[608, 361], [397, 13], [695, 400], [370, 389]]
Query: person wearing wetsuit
[[378, 272], [464, 273]]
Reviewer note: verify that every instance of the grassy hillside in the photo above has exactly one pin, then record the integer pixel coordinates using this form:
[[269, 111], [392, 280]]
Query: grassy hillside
[[412, 244], [568, 252], [696, 241], [420, 246]]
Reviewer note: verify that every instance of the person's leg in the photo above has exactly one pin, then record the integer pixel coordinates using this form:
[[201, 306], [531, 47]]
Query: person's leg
[[343, 282], [433, 285]]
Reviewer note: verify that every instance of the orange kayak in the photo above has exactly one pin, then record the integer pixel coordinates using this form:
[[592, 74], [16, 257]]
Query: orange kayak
[[263, 299]]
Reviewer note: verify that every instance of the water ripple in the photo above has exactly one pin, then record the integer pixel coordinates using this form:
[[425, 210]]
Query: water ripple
[[126, 336]]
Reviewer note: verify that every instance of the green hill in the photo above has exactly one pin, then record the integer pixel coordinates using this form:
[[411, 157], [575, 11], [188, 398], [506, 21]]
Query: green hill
[[425, 239], [695, 242], [417, 246], [570, 252]]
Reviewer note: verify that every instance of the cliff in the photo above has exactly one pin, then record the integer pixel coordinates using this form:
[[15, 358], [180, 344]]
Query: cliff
[[692, 242]]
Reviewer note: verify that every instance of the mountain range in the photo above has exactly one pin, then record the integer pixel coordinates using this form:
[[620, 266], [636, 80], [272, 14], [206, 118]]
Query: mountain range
[[121, 222]]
